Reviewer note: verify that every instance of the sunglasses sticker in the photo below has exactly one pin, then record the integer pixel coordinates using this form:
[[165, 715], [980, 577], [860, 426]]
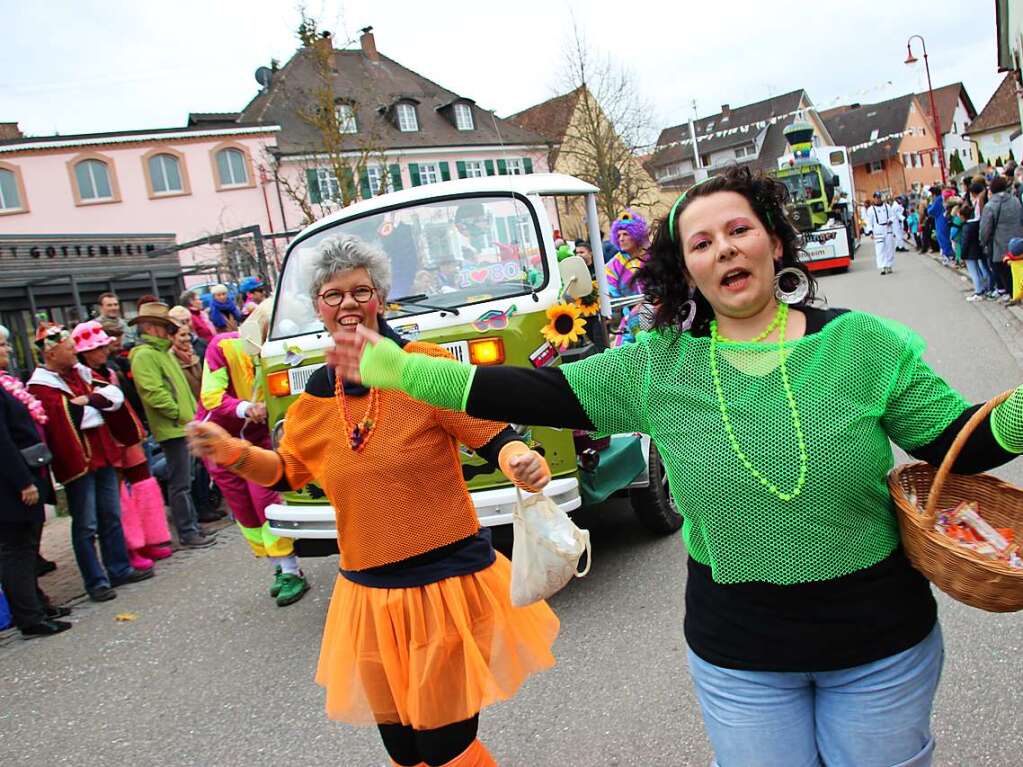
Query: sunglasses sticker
[[544, 356], [495, 319], [411, 332]]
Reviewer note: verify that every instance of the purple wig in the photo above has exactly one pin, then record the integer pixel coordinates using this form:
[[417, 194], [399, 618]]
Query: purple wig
[[635, 225]]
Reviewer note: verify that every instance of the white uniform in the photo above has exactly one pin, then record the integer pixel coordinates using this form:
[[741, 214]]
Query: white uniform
[[899, 216], [881, 221]]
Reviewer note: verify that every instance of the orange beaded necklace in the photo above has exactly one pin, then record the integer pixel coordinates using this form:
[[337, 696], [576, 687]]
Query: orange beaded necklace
[[358, 433]]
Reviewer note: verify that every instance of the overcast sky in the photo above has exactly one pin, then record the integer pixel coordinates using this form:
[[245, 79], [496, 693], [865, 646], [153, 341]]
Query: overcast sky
[[73, 66]]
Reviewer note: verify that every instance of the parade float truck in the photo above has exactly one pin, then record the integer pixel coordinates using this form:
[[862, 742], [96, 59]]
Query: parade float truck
[[821, 198], [475, 270]]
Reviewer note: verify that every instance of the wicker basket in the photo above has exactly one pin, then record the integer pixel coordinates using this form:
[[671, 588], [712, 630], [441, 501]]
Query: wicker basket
[[962, 574]]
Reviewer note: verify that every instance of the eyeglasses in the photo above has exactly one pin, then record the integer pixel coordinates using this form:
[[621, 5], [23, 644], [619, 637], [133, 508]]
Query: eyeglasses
[[361, 294]]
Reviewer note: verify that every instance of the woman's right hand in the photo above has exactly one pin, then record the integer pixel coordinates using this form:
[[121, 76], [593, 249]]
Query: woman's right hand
[[208, 440], [30, 495]]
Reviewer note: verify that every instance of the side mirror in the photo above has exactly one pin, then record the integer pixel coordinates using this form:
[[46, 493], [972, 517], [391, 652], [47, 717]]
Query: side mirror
[[575, 277]]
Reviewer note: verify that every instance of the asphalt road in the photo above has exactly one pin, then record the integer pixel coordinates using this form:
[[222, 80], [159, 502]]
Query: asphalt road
[[210, 672]]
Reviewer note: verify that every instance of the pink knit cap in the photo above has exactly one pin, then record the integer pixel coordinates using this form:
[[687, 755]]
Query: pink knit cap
[[88, 336]]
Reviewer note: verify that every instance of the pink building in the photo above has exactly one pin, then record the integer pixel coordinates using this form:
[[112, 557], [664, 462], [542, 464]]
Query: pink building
[[80, 215]]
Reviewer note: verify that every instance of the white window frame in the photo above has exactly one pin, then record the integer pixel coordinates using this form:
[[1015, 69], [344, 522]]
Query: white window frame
[[431, 169], [408, 121], [378, 178], [746, 150], [874, 134], [330, 187], [90, 164], [515, 167], [876, 167], [475, 169], [345, 116], [935, 161], [19, 203], [463, 117], [160, 160], [233, 182]]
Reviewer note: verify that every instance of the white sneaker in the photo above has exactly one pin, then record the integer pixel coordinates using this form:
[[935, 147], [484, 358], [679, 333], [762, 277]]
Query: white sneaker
[[975, 297]]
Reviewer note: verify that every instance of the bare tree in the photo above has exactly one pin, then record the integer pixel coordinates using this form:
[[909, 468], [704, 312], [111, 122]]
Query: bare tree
[[343, 157], [612, 125]]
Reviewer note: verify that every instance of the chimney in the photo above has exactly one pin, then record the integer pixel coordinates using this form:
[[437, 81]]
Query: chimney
[[325, 47], [9, 131], [726, 112], [369, 44]]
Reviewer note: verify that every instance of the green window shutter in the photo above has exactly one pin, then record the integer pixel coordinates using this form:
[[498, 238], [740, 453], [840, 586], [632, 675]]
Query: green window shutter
[[396, 177], [413, 172], [460, 166], [502, 168], [445, 172], [364, 189], [348, 182], [313, 184], [527, 163], [489, 165]]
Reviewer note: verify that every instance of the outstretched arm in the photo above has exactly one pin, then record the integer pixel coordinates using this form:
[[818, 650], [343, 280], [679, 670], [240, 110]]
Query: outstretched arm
[[603, 393], [268, 468]]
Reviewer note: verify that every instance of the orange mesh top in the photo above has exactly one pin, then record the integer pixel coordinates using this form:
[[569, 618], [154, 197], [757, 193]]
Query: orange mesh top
[[403, 494]]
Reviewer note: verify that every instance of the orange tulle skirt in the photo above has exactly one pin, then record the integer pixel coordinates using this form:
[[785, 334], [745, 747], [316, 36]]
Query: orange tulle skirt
[[430, 655]]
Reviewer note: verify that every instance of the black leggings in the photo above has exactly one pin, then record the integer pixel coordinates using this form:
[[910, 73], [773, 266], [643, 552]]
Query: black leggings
[[409, 747]]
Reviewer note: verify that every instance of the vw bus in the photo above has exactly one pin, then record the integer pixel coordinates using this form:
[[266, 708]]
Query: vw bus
[[474, 270]]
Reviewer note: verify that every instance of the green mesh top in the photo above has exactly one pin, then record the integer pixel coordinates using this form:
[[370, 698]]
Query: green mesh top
[[858, 383]]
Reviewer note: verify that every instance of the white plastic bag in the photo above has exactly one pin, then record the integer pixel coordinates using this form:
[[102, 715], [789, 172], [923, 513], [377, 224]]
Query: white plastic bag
[[546, 550]]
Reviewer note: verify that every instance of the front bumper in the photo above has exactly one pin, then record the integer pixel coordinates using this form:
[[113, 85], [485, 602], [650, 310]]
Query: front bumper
[[493, 507]]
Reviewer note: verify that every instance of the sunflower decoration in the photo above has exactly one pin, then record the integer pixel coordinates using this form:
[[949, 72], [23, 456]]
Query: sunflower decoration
[[564, 325], [589, 305]]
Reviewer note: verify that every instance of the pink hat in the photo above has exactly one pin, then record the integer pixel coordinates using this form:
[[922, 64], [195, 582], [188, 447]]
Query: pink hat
[[946, 193], [88, 336]]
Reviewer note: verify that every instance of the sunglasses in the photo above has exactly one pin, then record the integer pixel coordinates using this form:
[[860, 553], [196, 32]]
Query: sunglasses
[[495, 319]]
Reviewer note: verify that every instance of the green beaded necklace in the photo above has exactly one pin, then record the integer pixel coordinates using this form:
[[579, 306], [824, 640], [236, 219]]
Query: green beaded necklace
[[781, 318]]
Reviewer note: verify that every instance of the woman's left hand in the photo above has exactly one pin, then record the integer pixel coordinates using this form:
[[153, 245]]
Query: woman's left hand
[[530, 471], [30, 495]]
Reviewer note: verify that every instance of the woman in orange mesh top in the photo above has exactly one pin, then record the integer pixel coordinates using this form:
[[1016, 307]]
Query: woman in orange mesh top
[[420, 634]]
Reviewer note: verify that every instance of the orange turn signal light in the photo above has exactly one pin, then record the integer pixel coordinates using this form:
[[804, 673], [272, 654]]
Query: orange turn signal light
[[279, 384], [486, 351]]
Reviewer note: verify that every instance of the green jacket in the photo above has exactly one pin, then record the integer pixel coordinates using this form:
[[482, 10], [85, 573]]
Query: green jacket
[[162, 387]]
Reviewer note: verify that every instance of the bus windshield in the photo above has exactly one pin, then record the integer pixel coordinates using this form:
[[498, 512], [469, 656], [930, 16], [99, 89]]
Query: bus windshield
[[443, 254], [803, 186]]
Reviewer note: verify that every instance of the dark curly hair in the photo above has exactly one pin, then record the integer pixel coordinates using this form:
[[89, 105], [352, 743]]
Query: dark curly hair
[[664, 275]]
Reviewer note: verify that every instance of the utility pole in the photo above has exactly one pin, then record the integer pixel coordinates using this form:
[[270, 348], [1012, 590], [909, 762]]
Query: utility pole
[[699, 172]]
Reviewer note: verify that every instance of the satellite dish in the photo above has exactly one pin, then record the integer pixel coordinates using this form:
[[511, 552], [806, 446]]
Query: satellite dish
[[263, 76]]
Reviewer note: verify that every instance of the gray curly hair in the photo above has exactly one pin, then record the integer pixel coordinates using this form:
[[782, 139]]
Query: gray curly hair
[[345, 252]]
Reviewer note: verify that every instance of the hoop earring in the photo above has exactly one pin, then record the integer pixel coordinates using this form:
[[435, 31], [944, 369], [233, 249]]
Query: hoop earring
[[690, 307], [791, 285]]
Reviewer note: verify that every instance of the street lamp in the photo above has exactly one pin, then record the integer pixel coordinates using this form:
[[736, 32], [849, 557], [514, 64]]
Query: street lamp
[[911, 59]]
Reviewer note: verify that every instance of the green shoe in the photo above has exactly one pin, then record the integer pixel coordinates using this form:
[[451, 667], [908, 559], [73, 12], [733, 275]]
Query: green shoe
[[293, 587], [275, 589]]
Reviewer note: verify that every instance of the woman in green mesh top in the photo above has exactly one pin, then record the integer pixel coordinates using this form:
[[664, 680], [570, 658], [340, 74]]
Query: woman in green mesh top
[[812, 639]]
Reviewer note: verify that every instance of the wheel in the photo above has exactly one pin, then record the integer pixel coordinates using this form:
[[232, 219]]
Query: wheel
[[653, 504]]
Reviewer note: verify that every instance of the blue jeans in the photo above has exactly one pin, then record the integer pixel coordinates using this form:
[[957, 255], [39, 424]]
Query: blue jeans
[[95, 505], [874, 715], [980, 274]]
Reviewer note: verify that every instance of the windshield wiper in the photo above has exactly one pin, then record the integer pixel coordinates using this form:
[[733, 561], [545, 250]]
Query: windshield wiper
[[417, 301]]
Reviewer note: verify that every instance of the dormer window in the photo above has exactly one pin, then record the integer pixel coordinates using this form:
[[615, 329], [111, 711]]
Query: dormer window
[[407, 121], [345, 116], [463, 117]]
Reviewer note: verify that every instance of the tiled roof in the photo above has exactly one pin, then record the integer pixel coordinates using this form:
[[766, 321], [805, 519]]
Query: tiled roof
[[854, 127], [129, 136], [740, 125], [373, 87], [550, 118], [945, 99], [1000, 111]]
